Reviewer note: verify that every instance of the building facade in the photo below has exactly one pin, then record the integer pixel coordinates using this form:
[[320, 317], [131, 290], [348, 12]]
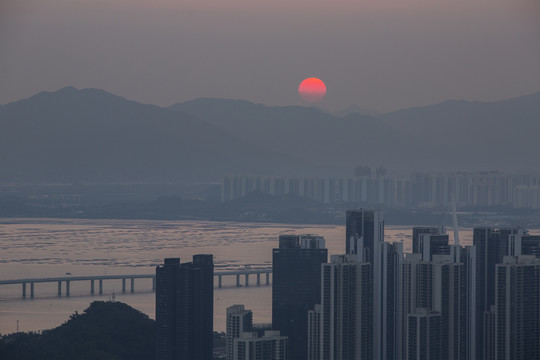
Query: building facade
[[271, 346], [346, 311], [363, 230], [517, 308], [296, 287], [185, 309], [423, 332], [239, 320], [491, 246]]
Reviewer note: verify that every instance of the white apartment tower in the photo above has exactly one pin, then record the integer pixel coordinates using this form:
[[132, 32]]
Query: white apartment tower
[[239, 320], [346, 312]]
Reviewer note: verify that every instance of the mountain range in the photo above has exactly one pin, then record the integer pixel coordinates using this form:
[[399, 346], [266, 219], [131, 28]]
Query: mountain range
[[91, 135]]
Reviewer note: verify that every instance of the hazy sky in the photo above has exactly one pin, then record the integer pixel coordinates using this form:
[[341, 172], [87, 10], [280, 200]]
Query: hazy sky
[[378, 54]]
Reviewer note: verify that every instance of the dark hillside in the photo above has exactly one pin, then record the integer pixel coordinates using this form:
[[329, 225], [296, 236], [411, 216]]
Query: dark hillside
[[104, 331]]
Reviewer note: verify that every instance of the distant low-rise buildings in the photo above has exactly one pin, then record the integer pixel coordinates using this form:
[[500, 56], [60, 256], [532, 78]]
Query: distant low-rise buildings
[[373, 186]]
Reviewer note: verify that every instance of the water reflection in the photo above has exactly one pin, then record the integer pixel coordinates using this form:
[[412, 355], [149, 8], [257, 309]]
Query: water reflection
[[53, 247]]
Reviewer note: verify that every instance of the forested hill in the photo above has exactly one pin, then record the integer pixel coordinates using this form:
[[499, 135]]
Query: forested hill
[[104, 331]]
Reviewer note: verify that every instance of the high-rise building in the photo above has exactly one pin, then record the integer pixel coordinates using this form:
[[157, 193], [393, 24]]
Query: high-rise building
[[490, 327], [365, 239], [517, 308], [184, 309], [296, 287], [239, 320], [450, 301], [469, 260], [423, 331], [314, 333], [430, 245], [438, 286], [364, 228], [524, 244], [416, 293], [387, 292], [420, 230], [491, 246], [346, 312], [272, 346]]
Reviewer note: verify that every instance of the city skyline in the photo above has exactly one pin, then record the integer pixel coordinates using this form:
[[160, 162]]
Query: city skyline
[[270, 142], [440, 287]]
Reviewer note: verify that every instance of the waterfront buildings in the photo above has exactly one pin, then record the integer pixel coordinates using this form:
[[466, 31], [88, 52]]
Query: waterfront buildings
[[375, 302], [441, 302], [184, 309]]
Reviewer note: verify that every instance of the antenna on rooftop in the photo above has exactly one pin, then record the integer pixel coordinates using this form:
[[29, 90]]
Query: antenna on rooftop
[[454, 221], [457, 247]]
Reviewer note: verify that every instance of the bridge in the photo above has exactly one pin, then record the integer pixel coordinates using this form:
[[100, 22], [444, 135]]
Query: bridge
[[67, 280]]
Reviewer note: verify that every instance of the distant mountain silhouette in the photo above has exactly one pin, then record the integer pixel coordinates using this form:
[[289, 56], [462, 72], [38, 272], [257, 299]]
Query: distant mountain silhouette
[[489, 135], [351, 109], [454, 135], [91, 135], [334, 143]]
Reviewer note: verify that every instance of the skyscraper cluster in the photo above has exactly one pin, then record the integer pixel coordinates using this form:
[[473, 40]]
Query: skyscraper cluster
[[442, 301]]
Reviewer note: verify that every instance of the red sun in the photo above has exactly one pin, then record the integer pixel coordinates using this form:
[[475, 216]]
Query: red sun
[[312, 89]]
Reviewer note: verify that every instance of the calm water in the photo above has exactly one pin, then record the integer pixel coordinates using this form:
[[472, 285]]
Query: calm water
[[53, 247]]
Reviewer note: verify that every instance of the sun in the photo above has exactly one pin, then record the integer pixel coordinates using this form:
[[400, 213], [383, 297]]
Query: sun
[[312, 89]]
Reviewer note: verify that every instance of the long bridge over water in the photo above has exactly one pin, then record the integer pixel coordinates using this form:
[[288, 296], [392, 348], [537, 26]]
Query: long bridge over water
[[92, 279]]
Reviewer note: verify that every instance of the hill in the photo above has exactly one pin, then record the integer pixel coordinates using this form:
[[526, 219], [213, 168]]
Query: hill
[[335, 144], [499, 135], [454, 135], [94, 136], [105, 331]]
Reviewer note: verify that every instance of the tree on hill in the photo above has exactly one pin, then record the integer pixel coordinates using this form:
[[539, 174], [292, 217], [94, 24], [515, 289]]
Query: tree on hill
[[105, 331]]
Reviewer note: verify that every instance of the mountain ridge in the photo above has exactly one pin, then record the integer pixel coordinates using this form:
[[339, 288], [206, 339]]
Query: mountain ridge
[[92, 135]]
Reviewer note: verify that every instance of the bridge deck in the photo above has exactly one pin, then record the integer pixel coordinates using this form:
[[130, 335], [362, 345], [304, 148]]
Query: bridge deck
[[120, 277]]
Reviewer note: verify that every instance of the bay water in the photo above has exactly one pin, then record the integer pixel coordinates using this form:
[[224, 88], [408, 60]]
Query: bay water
[[34, 248]]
